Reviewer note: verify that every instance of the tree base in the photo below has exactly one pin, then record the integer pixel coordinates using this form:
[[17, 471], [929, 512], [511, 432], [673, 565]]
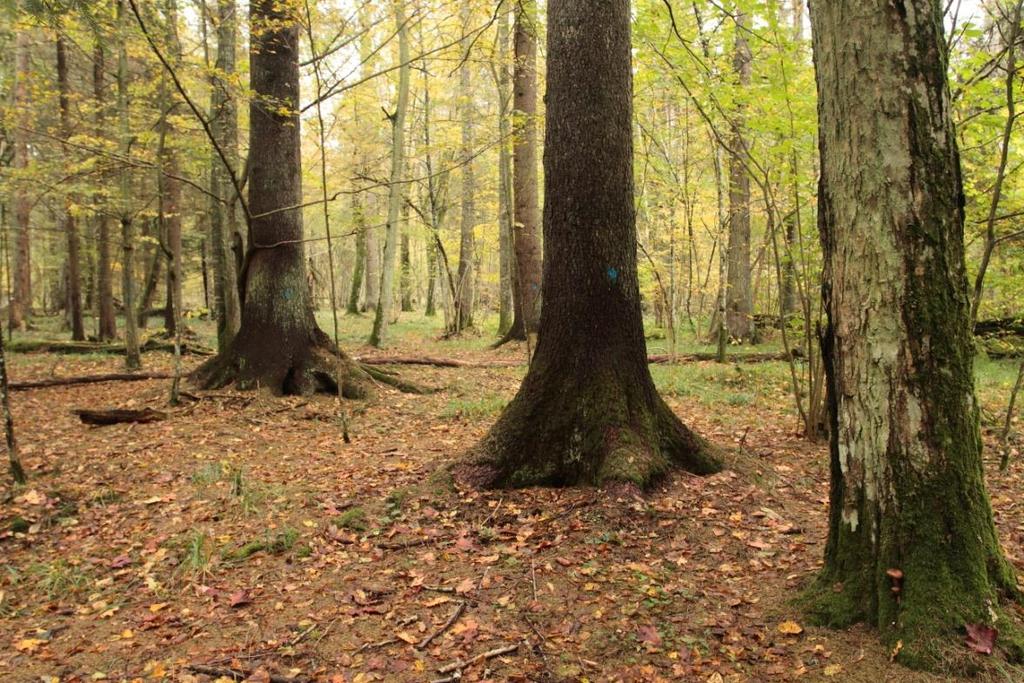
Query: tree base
[[595, 431], [317, 366], [925, 629]]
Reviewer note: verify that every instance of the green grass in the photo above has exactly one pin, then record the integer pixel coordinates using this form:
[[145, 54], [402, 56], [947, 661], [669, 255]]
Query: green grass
[[486, 406], [59, 579]]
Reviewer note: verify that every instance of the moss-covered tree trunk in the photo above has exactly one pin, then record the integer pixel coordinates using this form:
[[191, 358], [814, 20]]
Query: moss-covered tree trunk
[[912, 548], [588, 411], [279, 346]]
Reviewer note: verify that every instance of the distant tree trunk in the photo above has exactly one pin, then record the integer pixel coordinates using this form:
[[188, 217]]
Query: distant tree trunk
[[153, 273], [21, 297], [359, 225], [132, 356], [104, 278], [391, 239], [74, 287], [912, 548], [279, 346], [406, 275], [588, 411], [171, 194], [739, 302], [788, 289], [526, 219], [505, 267], [17, 470], [432, 275], [224, 227], [466, 280]]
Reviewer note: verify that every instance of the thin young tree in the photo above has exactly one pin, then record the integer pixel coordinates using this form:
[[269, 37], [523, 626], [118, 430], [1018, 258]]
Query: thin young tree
[[588, 411], [912, 548], [132, 356], [107, 321], [392, 233], [21, 295]]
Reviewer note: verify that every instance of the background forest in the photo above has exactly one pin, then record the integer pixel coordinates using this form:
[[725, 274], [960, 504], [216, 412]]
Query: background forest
[[196, 539]]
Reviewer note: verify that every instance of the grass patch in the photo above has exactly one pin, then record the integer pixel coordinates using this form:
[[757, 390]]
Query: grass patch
[[353, 519], [59, 579], [474, 408]]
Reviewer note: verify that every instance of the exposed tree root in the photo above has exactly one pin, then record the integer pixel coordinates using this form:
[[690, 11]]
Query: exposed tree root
[[315, 366], [597, 429]]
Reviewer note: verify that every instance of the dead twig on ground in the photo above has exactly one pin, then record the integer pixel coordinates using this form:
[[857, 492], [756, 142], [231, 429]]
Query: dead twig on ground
[[422, 645], [461, 664]]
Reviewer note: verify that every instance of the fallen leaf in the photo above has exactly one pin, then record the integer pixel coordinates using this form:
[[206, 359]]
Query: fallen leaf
[[791, 628], [240, 598], [28, 645], [649, 634], [833, 670], [981, 638]]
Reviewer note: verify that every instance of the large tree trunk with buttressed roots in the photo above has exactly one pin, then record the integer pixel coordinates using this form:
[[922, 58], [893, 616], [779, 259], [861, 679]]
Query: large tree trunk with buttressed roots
[[279, 346], [587, 411]]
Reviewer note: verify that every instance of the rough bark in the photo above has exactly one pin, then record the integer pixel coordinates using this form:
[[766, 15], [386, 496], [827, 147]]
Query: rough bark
[[588, 411], [21, 295], [74, 292], [104, 277], [526, 222], [224, 224], [406, 274], [382, 316], [912, 548], [739, 301], [279, 346]]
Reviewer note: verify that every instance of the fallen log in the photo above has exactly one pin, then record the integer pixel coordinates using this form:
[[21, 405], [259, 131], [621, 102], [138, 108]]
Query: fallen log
[[729, 358], [89, 379], [103, 418], [73, 347]]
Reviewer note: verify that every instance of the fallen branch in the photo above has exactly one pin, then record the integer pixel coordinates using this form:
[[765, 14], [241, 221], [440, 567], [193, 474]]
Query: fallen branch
[[422, 645], [498, 363], [241, 674], [89, 379], [461, 664], [375, 646], [113, 417]]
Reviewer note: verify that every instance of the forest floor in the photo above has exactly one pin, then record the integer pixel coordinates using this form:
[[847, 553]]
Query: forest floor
[[243, 534]]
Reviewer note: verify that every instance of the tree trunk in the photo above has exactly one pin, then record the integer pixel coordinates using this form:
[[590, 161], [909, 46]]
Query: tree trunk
[[359, 225], [104, 277], [432, 276], [14, 461], [382, 315], [466, 280], [224, 228], [170, 186], [278, 346], [912, 548], [739, 304], [526, 242], [505, 267], [153, 272], [587, 411], [74, 293], [132, 356], [406, 275], [21, 296]]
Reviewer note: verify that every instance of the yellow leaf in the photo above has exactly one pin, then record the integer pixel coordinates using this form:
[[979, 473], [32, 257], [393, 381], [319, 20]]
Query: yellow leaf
[[833, 670], [406, 637], [791, 628], [28, 645], [157, 606]]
